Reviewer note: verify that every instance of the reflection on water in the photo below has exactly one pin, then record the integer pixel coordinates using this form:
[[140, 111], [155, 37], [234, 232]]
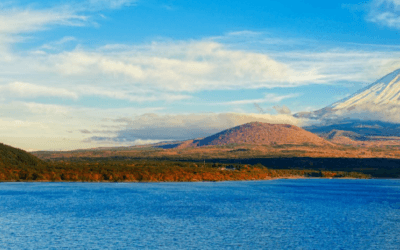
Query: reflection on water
[[280, 214]]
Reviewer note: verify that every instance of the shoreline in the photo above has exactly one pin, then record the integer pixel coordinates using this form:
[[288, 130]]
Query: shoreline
[[269, 179]]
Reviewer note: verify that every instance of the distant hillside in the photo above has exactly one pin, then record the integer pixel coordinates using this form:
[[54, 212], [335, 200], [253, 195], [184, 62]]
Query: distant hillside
[[10, 156], [257, 133], [366, 129], [336, 134]]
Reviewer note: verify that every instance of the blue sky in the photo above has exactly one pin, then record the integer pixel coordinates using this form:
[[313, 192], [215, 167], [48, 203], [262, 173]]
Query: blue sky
[[81, 74]]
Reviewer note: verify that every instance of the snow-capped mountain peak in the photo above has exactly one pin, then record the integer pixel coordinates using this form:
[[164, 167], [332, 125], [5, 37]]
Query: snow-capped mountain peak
[[384, 91], [380, 100]]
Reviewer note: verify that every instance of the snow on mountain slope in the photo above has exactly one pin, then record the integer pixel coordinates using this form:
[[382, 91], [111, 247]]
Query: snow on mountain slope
[[384, 91], [379, 101]]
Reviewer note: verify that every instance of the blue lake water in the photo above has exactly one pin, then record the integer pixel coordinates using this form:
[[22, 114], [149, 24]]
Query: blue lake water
[[278, 214]]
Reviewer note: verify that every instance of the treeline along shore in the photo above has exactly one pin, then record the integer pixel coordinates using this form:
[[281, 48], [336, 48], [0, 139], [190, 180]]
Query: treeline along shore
[[18, 165], [101, 170]]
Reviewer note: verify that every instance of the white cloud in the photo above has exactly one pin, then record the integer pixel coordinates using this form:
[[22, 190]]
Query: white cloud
[[183, 66], [282, 110], [207, 65], [27, 20], [133, 95], [269, 98], [17, 21], [52, 109], [28, 90], [385, 12], [343, 65], [110, 4], [83, 114], [165, 71], [245, 33], [389, 19], [145, 142], [22, 89], [188, 126], [57, 44], [40, 126], [117, 71]]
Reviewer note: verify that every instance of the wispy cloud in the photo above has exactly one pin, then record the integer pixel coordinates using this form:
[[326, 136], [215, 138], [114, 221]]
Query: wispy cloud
[[188, 126], [17, 21], [52, 109], [28, 90], [343, 65], [244, 33], [59, 43], [269, 98], [190, 66], [108, 4], [82, 114], [284, 110], [184, 66], [41, 126], [385, 12], [169, 71], [133, 95], [259, 109]]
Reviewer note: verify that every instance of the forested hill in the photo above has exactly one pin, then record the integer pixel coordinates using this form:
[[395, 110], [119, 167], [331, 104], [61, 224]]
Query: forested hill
[[10, 156]]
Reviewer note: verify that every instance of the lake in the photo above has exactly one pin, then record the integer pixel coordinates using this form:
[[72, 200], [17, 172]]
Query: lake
[[277, 214]]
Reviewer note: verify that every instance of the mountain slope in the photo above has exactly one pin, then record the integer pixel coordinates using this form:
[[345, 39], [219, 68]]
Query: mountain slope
[[10, 156], [379, 101], [363, 128], [336, 134], [382, 92], [259, 134]]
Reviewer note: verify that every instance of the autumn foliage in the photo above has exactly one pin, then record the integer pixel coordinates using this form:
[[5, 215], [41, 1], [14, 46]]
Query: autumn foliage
[[154, 171]]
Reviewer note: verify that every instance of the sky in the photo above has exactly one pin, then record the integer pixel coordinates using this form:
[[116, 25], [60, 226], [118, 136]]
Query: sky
[[100, 73]]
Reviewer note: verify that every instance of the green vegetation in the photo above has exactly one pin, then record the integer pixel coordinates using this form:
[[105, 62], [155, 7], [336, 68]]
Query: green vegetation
[[10, 156]]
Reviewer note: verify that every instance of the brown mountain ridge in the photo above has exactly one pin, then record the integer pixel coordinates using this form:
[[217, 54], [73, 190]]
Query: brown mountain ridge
[[256, 133]]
